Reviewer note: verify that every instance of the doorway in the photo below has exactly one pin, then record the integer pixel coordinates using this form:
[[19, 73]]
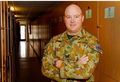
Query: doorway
[[22, 32]]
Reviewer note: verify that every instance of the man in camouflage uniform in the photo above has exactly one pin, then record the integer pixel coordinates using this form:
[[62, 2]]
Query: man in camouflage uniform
[[71, 56]]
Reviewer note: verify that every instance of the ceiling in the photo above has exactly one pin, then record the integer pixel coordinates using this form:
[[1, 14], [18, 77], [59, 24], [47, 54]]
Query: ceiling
[[29, 10]]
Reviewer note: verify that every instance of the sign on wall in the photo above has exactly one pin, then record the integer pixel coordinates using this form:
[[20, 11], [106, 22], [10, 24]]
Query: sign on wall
[[109, 12], [88, 13]]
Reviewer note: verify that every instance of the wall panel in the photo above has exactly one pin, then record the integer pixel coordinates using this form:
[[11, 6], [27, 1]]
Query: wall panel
[[109, 36]]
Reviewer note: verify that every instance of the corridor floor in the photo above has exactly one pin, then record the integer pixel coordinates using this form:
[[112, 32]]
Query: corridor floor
[[28, 69]]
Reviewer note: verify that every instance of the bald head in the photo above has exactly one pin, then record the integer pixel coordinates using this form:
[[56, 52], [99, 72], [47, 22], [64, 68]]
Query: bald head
[[72, 8], [73, 19]]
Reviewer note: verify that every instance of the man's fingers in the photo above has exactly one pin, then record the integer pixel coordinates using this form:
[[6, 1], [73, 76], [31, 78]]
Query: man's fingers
[[83, 60], [59, 63]]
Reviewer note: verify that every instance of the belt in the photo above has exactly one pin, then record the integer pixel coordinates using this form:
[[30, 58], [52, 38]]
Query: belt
[[79, 80]]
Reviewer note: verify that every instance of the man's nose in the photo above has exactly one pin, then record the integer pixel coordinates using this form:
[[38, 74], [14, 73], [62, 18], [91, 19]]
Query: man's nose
[[72, 20]]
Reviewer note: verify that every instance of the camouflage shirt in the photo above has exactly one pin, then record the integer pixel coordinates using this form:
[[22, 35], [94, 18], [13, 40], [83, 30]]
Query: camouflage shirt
[[69, 51]]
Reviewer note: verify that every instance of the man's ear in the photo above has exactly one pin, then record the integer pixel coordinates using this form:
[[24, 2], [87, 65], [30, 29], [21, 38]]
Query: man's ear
[[82, 18]]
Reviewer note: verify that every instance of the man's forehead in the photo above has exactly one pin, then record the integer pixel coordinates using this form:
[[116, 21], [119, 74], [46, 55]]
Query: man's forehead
[[73, 7]]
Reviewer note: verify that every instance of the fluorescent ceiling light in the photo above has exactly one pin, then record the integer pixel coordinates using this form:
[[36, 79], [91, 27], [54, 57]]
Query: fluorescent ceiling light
[[12, 8]]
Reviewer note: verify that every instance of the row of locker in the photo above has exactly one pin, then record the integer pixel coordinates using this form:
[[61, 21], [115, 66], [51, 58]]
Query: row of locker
[[8, 33]]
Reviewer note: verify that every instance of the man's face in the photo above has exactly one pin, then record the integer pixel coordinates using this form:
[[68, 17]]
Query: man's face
[[73, 19]]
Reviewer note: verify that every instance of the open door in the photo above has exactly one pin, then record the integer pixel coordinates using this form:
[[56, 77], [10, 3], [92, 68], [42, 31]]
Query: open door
[[22, 32]]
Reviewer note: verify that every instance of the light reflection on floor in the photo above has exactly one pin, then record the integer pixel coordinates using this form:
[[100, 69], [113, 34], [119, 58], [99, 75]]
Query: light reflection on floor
[[22, 49]]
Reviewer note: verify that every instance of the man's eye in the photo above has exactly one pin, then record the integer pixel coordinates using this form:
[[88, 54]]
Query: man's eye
[[77, 16], [68, 17]]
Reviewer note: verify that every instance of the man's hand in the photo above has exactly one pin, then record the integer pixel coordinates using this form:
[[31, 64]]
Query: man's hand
[[83, 60], [58, 63]]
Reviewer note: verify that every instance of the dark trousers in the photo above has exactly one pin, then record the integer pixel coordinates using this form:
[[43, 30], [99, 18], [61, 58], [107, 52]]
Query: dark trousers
[[79, 80]]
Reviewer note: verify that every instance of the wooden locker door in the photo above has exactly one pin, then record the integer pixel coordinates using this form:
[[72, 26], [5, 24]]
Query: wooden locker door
[[109, 37], [3, 28]]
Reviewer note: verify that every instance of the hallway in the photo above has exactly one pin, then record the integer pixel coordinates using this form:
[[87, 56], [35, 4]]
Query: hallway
[[28, 69], [20, 59]]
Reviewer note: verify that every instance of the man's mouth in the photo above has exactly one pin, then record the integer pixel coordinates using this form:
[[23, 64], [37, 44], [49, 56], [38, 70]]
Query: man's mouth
[[72, 24]]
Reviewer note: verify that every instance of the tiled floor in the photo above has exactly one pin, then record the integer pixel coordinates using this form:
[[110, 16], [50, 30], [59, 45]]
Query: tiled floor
[[28, 69]]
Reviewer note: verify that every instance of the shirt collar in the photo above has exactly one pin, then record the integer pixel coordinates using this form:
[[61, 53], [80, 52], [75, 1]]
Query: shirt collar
[[80, 34], [63, 36]]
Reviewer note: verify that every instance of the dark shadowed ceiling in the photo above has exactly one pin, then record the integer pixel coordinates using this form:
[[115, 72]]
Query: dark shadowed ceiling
[[25, 10]]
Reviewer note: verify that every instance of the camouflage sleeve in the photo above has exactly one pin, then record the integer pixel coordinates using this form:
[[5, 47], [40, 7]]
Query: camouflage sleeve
[[93, 52], [48, 68], [83, 71]]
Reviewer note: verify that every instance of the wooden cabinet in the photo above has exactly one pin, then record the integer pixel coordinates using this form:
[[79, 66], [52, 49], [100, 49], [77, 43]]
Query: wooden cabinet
[[3, 42]]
